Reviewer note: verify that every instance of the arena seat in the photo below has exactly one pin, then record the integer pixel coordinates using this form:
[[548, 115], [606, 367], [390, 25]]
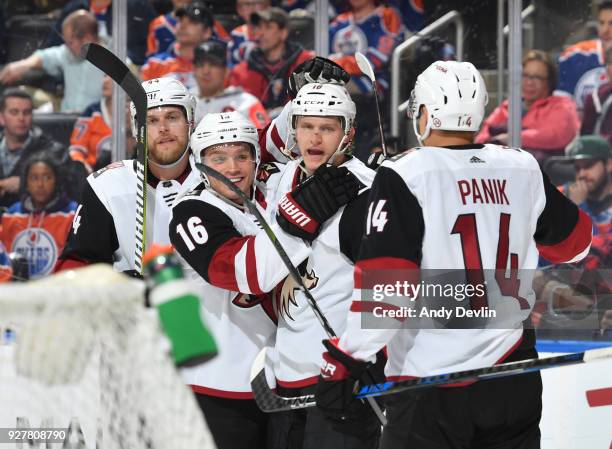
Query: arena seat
[[56, 125], [27, 33], [302, 30]]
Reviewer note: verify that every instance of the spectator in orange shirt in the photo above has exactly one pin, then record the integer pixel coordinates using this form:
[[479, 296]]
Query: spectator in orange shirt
[[37, 226], [266, 71], [90, 142], [194, 26], [91, 139]]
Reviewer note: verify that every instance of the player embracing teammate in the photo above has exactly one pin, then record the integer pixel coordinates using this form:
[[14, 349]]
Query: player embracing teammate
[[309, 203]]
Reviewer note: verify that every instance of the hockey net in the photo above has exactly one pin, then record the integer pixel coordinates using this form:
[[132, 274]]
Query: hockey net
[[79, 351]]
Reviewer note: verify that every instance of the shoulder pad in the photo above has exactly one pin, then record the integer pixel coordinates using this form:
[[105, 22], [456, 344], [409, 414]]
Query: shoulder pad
[[197, 190], [108, 167], [397, 157], [266, 170]]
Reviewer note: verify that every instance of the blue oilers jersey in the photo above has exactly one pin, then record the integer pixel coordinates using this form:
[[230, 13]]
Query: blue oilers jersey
[[582, 69]]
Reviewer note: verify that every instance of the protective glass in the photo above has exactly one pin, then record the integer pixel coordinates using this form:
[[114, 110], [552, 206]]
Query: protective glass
[[219, 155]]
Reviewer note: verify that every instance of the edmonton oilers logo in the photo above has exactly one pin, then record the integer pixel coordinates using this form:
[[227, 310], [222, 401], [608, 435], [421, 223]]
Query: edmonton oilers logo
[[39, 248], [590, 80], [350, 40]]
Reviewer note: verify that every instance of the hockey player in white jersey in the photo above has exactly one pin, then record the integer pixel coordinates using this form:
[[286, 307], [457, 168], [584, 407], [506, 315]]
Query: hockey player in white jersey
[[454, 205], [322, 124], [104, 224], [235, 263]]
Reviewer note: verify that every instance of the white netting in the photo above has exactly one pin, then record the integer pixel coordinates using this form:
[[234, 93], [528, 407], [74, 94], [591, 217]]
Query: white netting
[[80, 349]]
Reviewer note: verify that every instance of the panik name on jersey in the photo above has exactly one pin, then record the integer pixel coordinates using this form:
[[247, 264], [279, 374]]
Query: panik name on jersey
[[483, 191]]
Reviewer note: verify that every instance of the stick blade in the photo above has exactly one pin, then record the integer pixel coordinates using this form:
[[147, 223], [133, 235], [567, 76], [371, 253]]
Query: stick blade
[[364, 65], [111, 65], [105, 60]]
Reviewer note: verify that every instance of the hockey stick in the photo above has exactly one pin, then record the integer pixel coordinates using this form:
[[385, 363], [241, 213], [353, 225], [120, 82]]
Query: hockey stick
[[366, 68], [293, 272], [269, 401], [112, 66]]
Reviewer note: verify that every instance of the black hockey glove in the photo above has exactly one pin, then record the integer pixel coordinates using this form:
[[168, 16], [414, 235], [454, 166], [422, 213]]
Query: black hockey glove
[[316, 70], [302, 211], [341, 377]]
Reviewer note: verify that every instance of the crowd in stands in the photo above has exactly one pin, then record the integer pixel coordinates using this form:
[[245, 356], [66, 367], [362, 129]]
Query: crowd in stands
[[245, 67]]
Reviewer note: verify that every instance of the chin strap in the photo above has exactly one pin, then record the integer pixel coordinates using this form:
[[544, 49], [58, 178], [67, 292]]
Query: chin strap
[[172, 164], [415, 125], [340, 150]]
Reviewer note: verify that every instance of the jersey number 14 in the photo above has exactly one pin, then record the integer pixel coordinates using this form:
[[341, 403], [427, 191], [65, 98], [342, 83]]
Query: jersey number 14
[[465, 226]]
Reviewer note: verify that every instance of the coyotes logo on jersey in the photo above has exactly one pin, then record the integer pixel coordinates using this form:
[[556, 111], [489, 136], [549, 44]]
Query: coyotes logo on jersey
[[283, 295], [247, 301], [265, 171]]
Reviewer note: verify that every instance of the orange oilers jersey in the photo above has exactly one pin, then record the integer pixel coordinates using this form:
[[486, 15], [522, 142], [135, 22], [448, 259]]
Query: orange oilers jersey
[[169, 63], [39, 237], [90, 136]]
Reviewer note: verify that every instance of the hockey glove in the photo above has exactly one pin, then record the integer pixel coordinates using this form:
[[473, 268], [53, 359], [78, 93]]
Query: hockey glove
[[302, 211], [341, 377], [316, 70]]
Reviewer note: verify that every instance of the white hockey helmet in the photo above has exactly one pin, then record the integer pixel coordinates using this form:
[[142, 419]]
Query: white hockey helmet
[[220, 128], [167, 92], [454, 94], [325, 100]]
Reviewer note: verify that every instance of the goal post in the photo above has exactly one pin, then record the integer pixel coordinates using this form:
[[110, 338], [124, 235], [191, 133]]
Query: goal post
[[81, 352]]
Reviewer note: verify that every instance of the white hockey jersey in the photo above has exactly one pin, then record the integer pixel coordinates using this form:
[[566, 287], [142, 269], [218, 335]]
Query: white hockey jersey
[[234, 263], [328, 274], [233, 98], [467, 207], [103, 229]]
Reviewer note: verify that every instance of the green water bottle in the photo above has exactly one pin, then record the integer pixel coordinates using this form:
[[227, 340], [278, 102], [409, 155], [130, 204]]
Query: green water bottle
[[178, 304]]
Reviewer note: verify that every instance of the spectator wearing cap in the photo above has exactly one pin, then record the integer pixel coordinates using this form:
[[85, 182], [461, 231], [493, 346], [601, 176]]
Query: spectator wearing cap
[[549, 122], [266, 71], [162, 30], [243, 36], [193, 27], [592, 187], [139, 15], [210, 70], [592, 192], [82, 81], [597, 114]]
